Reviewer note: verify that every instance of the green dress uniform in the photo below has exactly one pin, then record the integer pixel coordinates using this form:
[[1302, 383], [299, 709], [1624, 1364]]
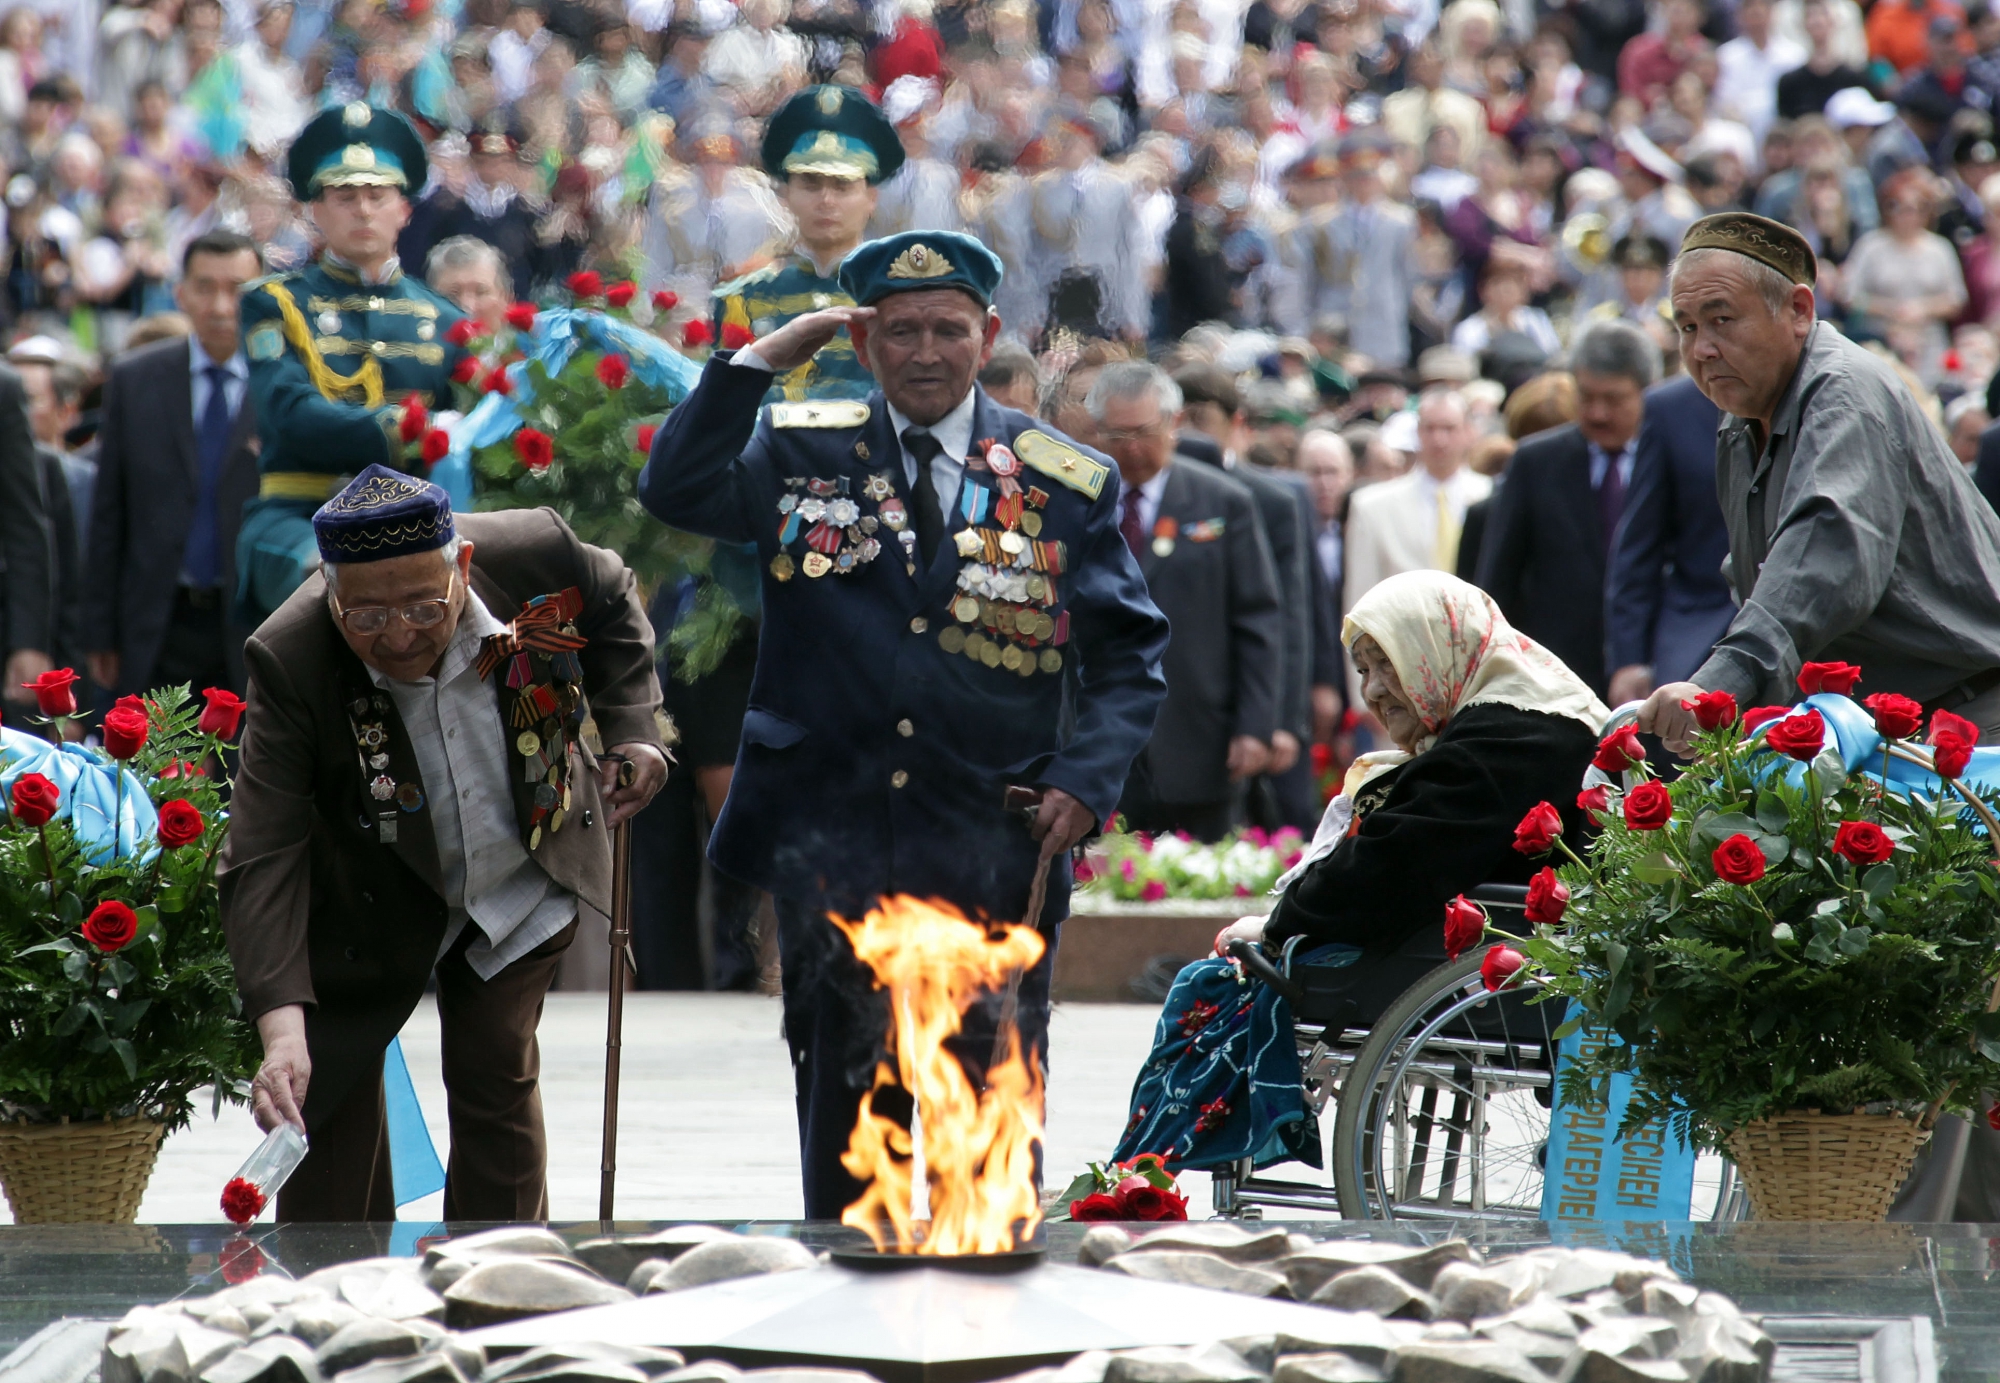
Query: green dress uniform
[[332, 359], [838, 132]]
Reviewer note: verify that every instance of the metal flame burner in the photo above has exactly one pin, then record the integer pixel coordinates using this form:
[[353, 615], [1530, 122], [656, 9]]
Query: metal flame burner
[[860, 1252], [908, 1318]]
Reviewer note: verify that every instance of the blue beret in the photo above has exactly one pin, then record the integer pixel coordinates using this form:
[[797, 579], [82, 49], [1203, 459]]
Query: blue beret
[[382, 514], [920, 259], [356, 144], [833, 130]]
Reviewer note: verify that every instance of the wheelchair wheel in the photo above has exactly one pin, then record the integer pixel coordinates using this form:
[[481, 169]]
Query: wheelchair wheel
[[1445, 1111]]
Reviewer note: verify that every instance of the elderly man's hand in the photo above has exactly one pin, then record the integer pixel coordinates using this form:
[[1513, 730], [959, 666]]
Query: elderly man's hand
[[794, 343], [1060, 822], [649, 775], [1248, 756], [1666, 714], [1243, 929], [279, 1091]]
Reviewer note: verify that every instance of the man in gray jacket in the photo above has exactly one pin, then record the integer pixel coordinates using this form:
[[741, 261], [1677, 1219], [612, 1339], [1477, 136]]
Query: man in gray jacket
[[1854, 535]]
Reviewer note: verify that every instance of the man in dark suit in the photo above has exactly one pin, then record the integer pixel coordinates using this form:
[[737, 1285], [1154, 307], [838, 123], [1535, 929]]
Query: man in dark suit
[[1550, 531], [1196, 534], [177, 461], [1211, 432], [429, 785], [28, 597], [1666, 600]]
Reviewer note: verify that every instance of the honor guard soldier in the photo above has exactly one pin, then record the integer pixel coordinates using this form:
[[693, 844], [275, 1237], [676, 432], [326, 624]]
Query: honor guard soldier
[[949, 612], [828, 149], [335, 348]]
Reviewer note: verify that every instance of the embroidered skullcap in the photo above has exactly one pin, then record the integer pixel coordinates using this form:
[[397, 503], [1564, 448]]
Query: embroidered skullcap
[[383, 514], [1770, 243]]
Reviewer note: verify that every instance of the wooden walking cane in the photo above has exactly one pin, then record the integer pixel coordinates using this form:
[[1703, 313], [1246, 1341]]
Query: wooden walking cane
[[614, 1035]]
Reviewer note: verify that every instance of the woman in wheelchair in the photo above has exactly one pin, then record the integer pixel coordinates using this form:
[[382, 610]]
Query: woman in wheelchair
[[1486, 723]]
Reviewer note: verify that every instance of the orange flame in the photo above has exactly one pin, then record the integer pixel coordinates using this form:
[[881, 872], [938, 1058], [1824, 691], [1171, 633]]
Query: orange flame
[[979, 1145]]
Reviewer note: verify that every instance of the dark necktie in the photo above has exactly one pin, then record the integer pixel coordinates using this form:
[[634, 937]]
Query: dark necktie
[[202, 558], [1128, 520], [929, 517], [1610, 499]]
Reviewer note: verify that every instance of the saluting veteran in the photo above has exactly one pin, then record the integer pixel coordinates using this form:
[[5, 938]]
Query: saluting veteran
[[948, 610], [1854, 535], [424, 786], [336, 347]]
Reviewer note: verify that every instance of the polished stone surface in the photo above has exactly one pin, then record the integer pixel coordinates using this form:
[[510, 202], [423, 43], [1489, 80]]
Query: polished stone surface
[[1947, 1276]]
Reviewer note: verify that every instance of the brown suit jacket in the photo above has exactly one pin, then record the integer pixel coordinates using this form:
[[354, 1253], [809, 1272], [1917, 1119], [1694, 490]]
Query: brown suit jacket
[[317, 911]]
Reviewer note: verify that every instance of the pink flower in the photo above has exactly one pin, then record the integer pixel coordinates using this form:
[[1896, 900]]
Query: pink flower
[[1153, 892], [1128, 870]]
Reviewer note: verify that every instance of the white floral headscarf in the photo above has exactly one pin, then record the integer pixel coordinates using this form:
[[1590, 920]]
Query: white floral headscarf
[[1451, 648]]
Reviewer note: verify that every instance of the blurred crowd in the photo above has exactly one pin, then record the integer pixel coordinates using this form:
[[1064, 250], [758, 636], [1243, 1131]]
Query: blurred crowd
[[1372, 244]]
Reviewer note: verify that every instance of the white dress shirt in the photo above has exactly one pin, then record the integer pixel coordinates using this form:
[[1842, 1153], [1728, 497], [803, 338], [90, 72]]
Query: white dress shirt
[[456, 730], [237, 368]]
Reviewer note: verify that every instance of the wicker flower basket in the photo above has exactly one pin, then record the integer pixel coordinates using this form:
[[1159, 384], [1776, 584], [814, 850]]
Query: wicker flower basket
[[82, 1173], [1812, 1166]]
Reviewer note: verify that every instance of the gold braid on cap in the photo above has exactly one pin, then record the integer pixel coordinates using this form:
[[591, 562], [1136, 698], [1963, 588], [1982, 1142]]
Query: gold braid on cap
[[1770, 243]]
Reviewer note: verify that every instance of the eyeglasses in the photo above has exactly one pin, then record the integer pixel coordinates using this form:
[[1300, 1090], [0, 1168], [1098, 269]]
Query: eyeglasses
[[1112, 436], [366, 620]]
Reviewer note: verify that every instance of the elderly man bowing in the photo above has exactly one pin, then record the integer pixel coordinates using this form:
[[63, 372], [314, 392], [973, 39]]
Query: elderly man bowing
[[949, 611], [425, 787], [1854, 535]]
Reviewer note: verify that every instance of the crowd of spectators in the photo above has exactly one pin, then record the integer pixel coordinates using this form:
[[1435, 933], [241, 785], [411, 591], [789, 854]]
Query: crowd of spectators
[[1371, 244]]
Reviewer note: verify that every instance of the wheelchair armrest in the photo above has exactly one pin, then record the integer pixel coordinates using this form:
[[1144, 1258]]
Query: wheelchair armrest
[[1500, 895], [1258, 965]]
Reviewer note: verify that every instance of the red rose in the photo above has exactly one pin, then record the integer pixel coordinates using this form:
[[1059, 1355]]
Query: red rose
[[437, 445], [536, 449], [1838, 678], [465, 369], [241, 1261], [613, 371], [181, 823], [1712, 709], [1946, 725], [695, 335], [665, 300], [735, 336], [1536, 835], [131, 703], [461, 332], [242, 1201], [1096, 1206], [124, 731], [1619, 750], [1548, 899], [1502, 963], [1738, 860], [1993, 1118], [619, 294], [587, 283], [1759, 716], [54, 694], [1950, 755], [521, 316], [1594, 799], [1648, 807], [642, 441], [497, 382], [1464, 924], [222, 714], [1862, 842], [110, 926], [416, 419], [1896, 717], [35, 799], [1798, 737], [1149, 1202]]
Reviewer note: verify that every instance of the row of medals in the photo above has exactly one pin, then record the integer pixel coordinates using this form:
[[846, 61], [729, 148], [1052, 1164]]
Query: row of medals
[[1007, 573], [371, 738], [544, 749], [840, 538]]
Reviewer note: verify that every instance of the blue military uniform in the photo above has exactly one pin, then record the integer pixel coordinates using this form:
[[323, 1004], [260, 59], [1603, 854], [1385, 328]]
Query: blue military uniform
[[332, 359], [895, 701]]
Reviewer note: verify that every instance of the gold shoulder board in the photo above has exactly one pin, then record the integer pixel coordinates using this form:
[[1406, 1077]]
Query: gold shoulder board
[[1060, 461], [819, 413]]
